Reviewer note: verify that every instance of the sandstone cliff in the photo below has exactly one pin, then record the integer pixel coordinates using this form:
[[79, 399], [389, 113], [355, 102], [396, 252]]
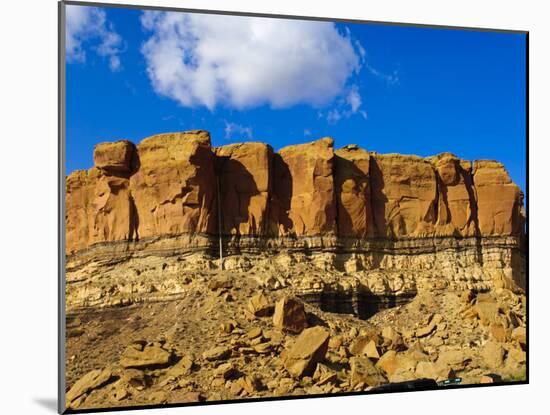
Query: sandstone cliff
[[418, 221], [168, 186]]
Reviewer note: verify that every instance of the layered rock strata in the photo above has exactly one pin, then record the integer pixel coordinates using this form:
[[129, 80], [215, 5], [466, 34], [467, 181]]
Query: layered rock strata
[[348, 210]]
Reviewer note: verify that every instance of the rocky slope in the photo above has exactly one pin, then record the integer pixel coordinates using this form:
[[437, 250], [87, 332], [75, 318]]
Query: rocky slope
[[226, 338]]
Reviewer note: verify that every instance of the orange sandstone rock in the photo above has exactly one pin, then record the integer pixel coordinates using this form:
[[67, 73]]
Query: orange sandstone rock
[[167, 186], [499, 200], [244, 172], [174, 187]]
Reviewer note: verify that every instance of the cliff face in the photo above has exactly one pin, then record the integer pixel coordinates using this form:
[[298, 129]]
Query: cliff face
[[418, 221], [168, 186]]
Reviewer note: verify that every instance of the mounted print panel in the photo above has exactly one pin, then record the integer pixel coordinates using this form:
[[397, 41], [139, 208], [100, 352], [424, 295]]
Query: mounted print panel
[[262, 207]]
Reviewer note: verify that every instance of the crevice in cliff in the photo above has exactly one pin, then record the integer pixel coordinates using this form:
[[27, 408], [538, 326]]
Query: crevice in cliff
[[336, 195], [374, 215], [133, 232], [472, 194]]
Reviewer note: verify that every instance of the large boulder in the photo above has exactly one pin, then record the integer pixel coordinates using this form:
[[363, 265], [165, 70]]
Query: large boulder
[[90, 381], [365, 372], [289, 315], [115, 157], [143, 356], [309, 349]]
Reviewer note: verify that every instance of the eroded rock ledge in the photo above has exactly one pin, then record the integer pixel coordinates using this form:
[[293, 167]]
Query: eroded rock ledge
[[356, 210]]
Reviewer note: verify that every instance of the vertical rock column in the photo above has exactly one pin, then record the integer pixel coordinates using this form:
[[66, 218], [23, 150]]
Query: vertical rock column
[[457, 207], [352, 188], [303, 200], [244, 173], [499, 200], [174, 188], [403, 195], [98, 201]]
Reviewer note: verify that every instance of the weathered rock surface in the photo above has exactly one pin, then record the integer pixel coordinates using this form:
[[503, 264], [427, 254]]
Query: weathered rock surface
[[115, 157], [499, 200], [90, 381], [304, 189], [356, 223], [167, 186], [365, 372], [140, 356], [244, 172], [436, 335], [174, 187], [289, 315], [308, 350]]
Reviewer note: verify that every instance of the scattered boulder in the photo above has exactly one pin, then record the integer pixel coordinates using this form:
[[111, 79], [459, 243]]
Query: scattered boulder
[[220, 282], [309, 349], [120, 393], [391, 362], [364, 371], [363, 345], [225, 371], [260, 306], [519, 334], [249, 384], [254, 333], [135, 378], [432, 324], [335, 342], [217, 353], [148, 356], [427, 369], [323, 375], [493, 354], [263, 348], [392, 339], [290, 315], [182, 368], [487, 310], [90, 381]]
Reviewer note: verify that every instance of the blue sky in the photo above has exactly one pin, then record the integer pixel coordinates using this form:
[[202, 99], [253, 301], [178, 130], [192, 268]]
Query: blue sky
[[387, 88]]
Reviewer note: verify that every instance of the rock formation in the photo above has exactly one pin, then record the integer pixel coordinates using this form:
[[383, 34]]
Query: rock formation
[[167, 186], [348, 210], [343, 270]]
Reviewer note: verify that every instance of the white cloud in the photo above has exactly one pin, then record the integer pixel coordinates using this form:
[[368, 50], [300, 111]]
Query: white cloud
[[242, 62], [233, 130], [307, 132], [90, 25], [354, 99], [389, 79], [348, 106]]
